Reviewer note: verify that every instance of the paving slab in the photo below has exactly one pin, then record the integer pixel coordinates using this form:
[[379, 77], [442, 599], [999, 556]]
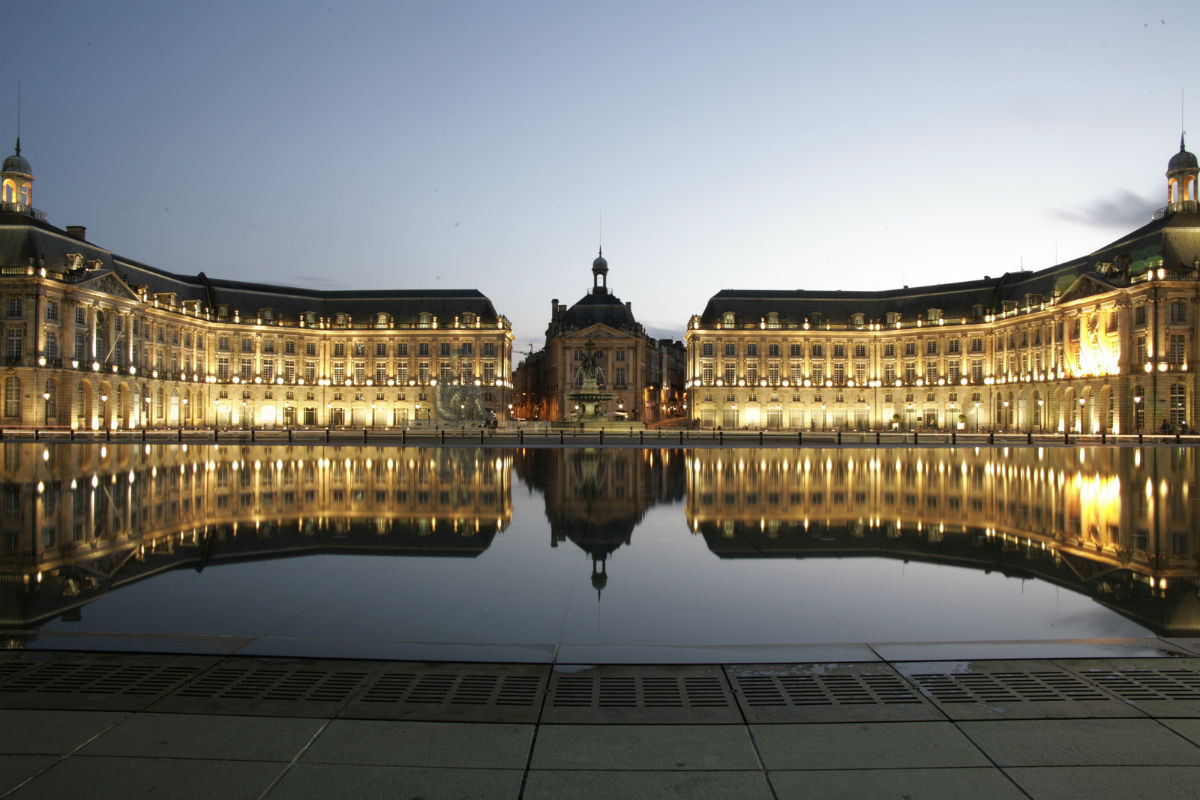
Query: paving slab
[[206, 736], [872, 692], [1011, 690], [1081, 742], [96, 681], [645, 785], [1106, 783], [978, 783], [323, 781], [16, 769], [422, 744], [122, 778], [54, 732], [865, 746], [1187, 728], [582, 653], [643, 747]]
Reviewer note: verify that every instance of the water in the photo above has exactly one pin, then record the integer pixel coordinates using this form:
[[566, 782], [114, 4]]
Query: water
[[590, 555]]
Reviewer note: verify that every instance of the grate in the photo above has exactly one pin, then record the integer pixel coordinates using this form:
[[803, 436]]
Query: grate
[[274, 683], [1006, 687], [640, 694], [102, 681], [1141, 685], [508, 693], [823, 690]]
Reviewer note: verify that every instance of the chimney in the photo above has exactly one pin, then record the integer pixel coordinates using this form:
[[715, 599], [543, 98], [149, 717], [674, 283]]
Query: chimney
[[77, 232]]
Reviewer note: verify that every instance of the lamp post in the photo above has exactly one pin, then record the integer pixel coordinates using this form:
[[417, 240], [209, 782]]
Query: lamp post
[[1137, 412], [1041, 416], [1082, 402]]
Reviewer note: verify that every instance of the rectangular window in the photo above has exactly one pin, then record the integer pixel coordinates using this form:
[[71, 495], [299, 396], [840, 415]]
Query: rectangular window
[[423, 372], [620, 354], [14, 344], [402, 349], [423, 349], [730, 373], [381, 372], [910, 372], [889, 373], [51, 311], [839, 373], [955, 372], [289, 370], [1178, 312], [489, 372], [772, 350], [818, 351], [289, 347], [247, 369], [839, 351], [977, 345], [797, 351], [706, 374], [730, 350], [489, 349], [931, 347], [931, 371], [952, 346], [360, 372], [310, 348], [223, 343], [889, 350], [268, 369], [619, 377], [818, 373], [706, 349], [402, 373], [1139, 316], [339, 372], [1176, 347], [444, 349], [222, 368], [977, 371], [339, 349], [751, 350], [81, 316], [310, 371], [12, 398], [860, 351], [14, 308], [247, 343]]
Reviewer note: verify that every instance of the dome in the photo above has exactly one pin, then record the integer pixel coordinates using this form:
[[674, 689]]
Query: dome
[[18, 164], [599, 308], [1183, 160], [600, 264]]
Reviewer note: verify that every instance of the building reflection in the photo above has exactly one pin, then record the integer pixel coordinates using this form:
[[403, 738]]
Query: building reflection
[[80, 520], [1118, 524], [596, 497]]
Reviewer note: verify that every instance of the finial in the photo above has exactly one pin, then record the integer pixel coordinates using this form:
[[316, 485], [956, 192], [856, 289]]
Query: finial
[[18, 145]]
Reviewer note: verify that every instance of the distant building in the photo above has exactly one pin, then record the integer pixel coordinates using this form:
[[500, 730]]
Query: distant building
[[642, 377], [96, 341], [1103, 343]]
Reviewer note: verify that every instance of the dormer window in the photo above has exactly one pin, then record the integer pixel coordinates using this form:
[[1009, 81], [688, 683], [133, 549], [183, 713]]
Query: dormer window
[[933, 314], [728, 319], [857, 320], [468, 319], [773, 320], [341, 320], [424, 320], [892, 318], [266, 314], [382, 320]]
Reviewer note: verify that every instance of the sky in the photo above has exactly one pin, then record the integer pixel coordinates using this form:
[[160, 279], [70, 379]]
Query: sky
[[496, 145]]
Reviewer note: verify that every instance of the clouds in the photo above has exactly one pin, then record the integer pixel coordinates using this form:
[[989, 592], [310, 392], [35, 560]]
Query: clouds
[[1125, 210]]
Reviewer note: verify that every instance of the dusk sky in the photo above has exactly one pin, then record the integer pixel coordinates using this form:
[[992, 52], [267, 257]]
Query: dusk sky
[[478, 144]]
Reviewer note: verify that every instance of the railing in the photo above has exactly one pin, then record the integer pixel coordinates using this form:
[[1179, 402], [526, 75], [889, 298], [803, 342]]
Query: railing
[[23, 208], [1181, 207]]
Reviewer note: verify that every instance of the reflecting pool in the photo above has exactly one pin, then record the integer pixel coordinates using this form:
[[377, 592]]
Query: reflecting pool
[[589, 555]]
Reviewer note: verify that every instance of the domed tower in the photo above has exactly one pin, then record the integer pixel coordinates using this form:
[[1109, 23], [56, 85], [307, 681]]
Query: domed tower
[[600, 273], [16, 180], [1182, 170]]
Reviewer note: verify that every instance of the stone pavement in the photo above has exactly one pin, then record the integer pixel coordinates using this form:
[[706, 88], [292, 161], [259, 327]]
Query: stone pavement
[[123, 725]]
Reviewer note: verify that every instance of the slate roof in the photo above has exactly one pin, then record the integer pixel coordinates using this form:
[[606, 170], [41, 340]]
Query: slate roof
[[1173, 240], [26, 241]]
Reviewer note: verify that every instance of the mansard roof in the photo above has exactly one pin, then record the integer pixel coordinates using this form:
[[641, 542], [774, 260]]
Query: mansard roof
[[1171, 241], [28, 242]]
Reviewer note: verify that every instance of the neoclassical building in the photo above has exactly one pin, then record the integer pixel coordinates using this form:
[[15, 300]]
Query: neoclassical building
[[96, 341], [1102, 343], [641, 377]]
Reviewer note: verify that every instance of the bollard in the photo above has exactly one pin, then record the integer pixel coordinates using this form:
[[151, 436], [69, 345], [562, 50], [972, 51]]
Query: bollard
[[181, 433], [143, 434], [641, 437], [404, 436], [214, 434], [1103, 437], [914, 437], [1066, 437], [760, 438], [364, 435], [1029, 438], [35, 434], [839, 437], [252, 434], [289, 434], [720, 437], [876, 437], [1139, 437], [326, 434], [443, 433], [72, 434], [521, 436], [953, 437], [1177, 438], [991, 437]]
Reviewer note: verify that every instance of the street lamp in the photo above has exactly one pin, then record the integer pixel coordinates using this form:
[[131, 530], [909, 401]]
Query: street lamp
[[1082, 401], [1137, 411], [1041, 416]]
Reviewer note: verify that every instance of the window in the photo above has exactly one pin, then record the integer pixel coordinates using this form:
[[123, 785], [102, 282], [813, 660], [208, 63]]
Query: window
[[773, 350], [268, 346], [889, 373], [339, 349], [619, 377], [889, 350], [839, 351], [730, 372], [706, 349], [14, 344], [977, 345], [222, 368], [730, 350], [860, 351], [931, 347], [289, 347], [955, 372], [931, 371], [751, 350], [1139, 316], [339, 372], [910, 348], [977, 371], [797, 351], [247, 343], [444, 349], [1177, 400], [910, 372], [247, 369], [818, 351], [51, 311], [12, 397], [310, 371], [1178, 312], [489, 349], [360, 372], [402, 349], [380, 349], [14, 308], [223, 343], [423, 349], [81, 316], [466, 349], [268, 369], [381, 372], [1176, 347]]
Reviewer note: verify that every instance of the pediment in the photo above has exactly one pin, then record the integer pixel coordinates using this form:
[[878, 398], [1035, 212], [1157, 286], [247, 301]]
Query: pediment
[[597, 332], [1085, 286], [111, 283]]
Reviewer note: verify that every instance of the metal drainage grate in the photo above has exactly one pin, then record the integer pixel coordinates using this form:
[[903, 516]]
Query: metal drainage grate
[[823, 690], [629, 691], [640, 694], [473, 689], [125, 682], [1006, 687], [1148, 684], [279, 684], [493, 693]]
